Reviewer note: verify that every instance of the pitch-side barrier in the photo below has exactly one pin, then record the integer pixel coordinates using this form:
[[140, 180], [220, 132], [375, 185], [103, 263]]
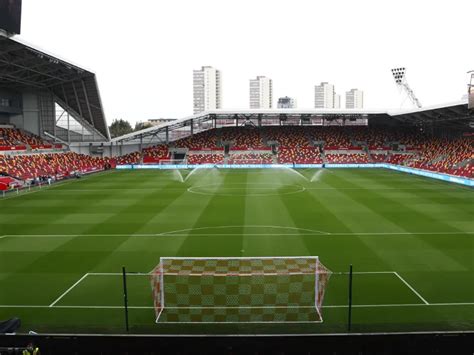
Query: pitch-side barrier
[[420, 172]]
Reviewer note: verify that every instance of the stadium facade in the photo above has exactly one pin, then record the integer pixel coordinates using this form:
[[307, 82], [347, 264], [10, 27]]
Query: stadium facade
[[454, 118], [48, 96]]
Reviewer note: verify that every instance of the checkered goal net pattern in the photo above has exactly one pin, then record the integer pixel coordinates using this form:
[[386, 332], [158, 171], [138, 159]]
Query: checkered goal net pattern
[[278, 289]]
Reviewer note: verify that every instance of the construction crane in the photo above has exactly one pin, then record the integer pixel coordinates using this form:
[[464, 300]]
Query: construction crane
[[399, 74]]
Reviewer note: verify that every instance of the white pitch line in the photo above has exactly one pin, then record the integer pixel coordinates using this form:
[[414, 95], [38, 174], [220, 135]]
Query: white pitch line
[[240, 307], [69, 289], [123, 190], [239, 234], [362, 272], [171, 234], [118, 274], [244, 226], [251, 322], [73, 307], [328, 306], [382, 188], [403, 305], [200, 274], [267, 274], [411, 288], [401, 233], [329, 234], [75, 235]]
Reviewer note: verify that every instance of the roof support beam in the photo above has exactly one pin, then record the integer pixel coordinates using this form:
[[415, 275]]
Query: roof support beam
[[11, 49], [79, 118], [77, 99], [87, 103], [64, 94], [10, 62], [21, 81]]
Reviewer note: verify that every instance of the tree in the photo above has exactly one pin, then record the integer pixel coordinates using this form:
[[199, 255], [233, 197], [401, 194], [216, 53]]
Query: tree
[[119, 127], [141, 125]]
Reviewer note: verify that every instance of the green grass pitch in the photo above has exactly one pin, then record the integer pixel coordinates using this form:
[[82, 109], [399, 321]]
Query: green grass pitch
[[409, 239]]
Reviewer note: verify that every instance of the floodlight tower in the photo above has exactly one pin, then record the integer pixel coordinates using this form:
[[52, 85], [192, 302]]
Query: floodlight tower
[[401, 81]]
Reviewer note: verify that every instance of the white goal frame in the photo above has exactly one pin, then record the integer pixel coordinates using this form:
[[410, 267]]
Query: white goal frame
[[240, 161], [298, 266], [173, 162]]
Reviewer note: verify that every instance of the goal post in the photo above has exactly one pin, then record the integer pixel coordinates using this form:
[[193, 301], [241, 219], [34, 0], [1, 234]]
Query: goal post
[[239, 289], [173, 162], [255, 161]]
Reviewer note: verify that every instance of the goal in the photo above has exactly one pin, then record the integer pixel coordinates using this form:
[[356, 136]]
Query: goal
[[173, 162], [234, 290], [250, 161]]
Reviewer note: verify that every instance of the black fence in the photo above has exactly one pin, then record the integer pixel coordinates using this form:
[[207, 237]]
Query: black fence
[[458, 343]]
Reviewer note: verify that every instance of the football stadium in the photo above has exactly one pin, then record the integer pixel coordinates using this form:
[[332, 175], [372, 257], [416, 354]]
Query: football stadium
[[263, 221]]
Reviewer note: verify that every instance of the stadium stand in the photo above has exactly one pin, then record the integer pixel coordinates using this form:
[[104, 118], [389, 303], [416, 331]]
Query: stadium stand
[[349, 158], [243, 138], [57, 165], [293, 145], [398, 159], [301, 155], [200, 141], [155, 154], [205, 158], [447, 156], [287, 136], [131, 158], [8, 183], [378, 158], [334, 138], [251, 158], [18, 140]]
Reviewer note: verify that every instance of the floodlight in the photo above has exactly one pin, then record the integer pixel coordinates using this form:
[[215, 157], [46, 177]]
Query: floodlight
[[399, 74]]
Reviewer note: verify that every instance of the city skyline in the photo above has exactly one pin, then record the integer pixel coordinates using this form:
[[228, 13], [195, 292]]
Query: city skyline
[[143, 68], [261, 93]]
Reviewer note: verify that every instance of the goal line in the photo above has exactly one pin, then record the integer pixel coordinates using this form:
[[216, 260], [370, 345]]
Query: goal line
[[228, 313], [148, 274]]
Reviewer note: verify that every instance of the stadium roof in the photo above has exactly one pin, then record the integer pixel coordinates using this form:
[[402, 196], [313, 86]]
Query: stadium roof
[[453, 115], [24, 67]]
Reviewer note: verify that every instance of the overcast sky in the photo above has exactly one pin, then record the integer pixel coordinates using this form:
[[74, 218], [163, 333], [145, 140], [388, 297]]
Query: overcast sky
[[144, 51]]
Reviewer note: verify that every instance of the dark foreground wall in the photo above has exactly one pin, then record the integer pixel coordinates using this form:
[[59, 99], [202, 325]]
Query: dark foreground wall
[[420, 343]]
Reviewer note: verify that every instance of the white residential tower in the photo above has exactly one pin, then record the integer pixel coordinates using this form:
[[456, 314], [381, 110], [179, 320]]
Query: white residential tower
[[324, 95], [206, 89], [261, 93], [355, 99]]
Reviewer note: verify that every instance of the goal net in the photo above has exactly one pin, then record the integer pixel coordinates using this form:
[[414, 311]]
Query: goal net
[[250, 161], [233, 290], [173, 162]]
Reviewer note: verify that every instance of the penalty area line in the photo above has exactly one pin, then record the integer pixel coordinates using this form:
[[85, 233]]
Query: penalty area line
[[129, 273], [411, 288], [68, 290], [467, 304]]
